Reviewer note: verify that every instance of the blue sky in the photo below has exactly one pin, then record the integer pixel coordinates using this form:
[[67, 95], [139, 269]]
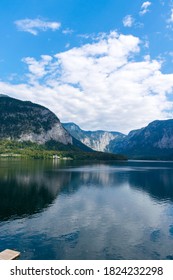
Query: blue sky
[[103, 64]]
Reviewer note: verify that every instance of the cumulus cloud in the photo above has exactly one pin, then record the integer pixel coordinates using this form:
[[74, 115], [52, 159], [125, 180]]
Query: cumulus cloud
[[38, 69], [128, 21], [33, 26], [144, 7], [99, 85]]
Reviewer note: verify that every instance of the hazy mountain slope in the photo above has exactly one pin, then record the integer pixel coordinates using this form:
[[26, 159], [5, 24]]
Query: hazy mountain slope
[[97, 140], [152, 141]]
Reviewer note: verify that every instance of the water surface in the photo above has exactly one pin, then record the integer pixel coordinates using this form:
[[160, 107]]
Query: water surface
[[74, 210]]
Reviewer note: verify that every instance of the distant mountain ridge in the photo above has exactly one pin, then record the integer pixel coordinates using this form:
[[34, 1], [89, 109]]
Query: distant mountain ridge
[[24, 121], [97, 140], [155, 141]]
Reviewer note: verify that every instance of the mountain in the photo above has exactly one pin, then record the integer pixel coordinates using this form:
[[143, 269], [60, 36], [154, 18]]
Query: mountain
[[31, 130], [154, 141], [26, 121], [97, 140]]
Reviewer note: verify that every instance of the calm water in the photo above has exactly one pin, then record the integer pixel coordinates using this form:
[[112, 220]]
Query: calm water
[[75, 210]]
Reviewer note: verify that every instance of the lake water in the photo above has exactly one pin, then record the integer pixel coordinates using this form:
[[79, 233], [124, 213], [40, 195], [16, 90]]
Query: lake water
[[70, 210]]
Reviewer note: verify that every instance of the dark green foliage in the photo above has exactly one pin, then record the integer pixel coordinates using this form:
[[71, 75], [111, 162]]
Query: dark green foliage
[[57, 146], [33, 150]]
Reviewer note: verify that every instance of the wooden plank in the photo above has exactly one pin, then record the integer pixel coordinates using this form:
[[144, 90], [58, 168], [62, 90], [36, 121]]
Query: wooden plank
[[9, 254]]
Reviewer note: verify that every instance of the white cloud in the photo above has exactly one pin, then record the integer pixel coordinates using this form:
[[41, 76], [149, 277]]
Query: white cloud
[[38, 69], [144, 7], [99, 85], [33, 26], [67, 31], [128, 21], [171, 17], [170, 20]]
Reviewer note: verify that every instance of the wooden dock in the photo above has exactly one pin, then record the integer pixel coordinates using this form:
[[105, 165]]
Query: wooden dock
[[9, 255]]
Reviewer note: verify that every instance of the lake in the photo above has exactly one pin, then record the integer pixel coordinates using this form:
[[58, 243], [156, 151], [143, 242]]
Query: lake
[[86, 210]]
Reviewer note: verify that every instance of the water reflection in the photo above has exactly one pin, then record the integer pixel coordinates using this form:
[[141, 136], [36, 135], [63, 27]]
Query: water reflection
[[87, 211], [157, 183], [28, 188], [156, 180]]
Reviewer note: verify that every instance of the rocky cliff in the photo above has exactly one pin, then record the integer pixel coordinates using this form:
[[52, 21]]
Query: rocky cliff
[[153, 141], [97, 140], [26, 121]]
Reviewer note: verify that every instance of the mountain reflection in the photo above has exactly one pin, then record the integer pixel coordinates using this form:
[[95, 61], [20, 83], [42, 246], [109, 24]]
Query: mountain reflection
[[97, 176], [157, 183], [87, 210], [28, 189]]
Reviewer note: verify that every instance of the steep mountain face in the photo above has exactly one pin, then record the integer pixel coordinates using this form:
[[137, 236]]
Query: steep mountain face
[[26, 121], [152, 141], [97, 140]]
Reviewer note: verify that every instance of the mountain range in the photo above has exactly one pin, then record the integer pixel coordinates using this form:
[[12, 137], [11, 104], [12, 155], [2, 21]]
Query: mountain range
[[27, 127], [97, 140], [155, 141], [26, 122]]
